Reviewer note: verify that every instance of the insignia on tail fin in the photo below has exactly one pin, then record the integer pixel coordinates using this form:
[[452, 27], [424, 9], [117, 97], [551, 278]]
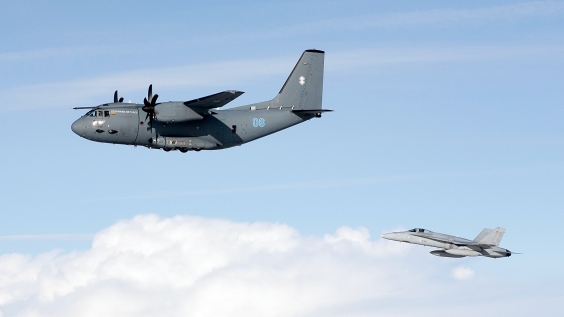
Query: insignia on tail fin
[[303, 89]]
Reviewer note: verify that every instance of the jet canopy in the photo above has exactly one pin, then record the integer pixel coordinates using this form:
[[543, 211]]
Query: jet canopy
[[419, 230]]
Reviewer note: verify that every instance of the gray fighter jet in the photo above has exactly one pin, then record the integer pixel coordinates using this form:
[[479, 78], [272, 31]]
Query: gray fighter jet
[[199, 124], [485, 244]]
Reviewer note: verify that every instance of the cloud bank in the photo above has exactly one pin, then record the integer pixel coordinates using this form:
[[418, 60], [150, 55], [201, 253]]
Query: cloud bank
[[191, 266]]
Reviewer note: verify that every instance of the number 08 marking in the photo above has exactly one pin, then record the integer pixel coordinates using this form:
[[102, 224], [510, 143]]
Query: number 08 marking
[[258, 122]]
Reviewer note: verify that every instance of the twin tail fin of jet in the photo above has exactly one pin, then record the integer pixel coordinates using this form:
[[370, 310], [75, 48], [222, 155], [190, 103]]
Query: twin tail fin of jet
[[491, 237]]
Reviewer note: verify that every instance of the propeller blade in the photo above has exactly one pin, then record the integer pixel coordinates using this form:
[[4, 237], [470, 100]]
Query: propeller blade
[[116, 97], [147, 107], [121, 99]]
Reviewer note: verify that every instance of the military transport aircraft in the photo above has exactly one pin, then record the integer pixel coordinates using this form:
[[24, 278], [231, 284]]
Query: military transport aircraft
[[199, 124], [485, 244]]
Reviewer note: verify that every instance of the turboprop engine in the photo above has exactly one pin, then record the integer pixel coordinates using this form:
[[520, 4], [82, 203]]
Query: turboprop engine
[[167, 112]]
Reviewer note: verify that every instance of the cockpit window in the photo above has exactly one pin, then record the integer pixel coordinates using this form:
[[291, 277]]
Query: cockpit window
[[100, 113], [91, 113], [419, 230], [106, 113]]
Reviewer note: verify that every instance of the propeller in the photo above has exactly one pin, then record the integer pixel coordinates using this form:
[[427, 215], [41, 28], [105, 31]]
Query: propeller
[[116, 97], [150, 103]]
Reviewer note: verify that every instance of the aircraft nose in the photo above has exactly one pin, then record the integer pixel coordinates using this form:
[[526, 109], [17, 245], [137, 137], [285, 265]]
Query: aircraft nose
[[76, 127], [386, 236]]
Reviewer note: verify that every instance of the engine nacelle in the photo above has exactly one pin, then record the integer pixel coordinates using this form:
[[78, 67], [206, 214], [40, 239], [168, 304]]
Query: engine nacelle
[[175, 112]]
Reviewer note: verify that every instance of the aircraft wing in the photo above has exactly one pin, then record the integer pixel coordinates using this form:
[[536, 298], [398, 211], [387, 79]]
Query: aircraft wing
[[213, 101], [465, 243], [453, 240]]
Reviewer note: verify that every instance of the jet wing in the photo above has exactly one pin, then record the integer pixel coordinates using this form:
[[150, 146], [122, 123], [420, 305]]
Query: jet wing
[[465, 243], [220, 99], [455, 241]]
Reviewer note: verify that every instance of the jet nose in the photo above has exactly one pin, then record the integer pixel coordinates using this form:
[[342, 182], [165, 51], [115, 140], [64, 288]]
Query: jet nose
[[386, 236]]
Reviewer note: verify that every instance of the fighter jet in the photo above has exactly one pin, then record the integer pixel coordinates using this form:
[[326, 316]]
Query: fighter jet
[[199, 124], [485, 244]]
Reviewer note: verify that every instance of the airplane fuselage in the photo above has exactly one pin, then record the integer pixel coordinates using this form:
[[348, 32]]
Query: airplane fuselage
[[451, 246], [199, 124], [120, 123]]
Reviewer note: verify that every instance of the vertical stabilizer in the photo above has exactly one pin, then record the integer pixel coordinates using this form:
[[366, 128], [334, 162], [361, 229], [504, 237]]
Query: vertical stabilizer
[[483, 234], [303, 89], [493, 237]]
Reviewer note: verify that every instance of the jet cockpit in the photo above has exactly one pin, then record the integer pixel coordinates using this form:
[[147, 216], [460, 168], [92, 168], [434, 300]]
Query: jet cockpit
[[420, 230]]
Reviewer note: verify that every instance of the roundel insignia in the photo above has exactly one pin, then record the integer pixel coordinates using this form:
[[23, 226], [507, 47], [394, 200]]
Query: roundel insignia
[[302, 80]]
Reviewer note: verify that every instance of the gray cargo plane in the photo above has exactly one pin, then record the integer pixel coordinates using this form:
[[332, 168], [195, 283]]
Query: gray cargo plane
[[199, 124], [485, 244]]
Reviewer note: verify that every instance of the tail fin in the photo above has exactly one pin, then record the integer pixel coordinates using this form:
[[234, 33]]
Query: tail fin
[[303, 89], [482, 234], [490, 237]]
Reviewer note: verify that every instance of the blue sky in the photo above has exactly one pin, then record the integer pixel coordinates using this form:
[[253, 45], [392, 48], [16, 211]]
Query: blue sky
[[448, 116]]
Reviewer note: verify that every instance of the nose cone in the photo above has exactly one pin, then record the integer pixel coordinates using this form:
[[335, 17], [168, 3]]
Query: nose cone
[[387, 236], [77, 128]]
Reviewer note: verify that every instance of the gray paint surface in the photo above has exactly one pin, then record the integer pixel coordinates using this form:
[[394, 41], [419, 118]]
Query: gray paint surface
[[485, 244], [199, 124]]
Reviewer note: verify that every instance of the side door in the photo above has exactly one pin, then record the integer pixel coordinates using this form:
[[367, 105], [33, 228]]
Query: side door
[[123, 125]]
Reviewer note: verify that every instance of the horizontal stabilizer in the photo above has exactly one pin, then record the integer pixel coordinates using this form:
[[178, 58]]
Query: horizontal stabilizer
[[213, 101]]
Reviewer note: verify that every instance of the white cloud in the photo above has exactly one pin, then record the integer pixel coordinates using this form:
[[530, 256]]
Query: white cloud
[[442, 17], [230, 74], [85, 92], [191, 266], [43, 53], [48, 237], [449, 16], [462, 273]]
